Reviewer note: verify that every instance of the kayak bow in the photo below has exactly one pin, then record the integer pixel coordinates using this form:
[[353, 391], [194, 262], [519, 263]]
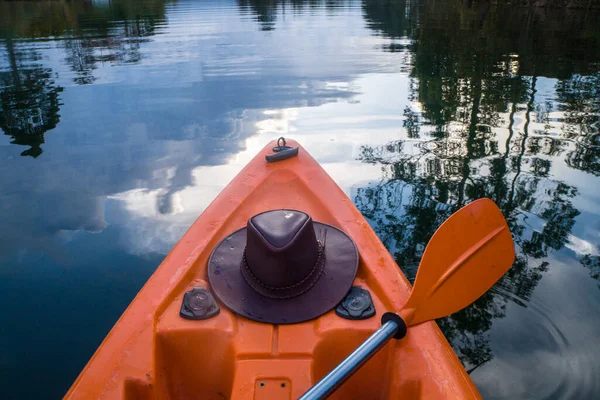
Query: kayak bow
[[175, 340]]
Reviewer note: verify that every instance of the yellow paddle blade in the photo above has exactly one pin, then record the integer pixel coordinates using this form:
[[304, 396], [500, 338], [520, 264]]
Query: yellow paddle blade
[[468, 253]]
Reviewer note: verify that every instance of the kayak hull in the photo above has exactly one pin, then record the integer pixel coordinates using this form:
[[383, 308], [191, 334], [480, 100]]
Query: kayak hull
[[154, 353]]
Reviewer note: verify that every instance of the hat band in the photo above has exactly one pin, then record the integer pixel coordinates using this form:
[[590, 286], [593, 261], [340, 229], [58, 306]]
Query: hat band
[[285, 292]]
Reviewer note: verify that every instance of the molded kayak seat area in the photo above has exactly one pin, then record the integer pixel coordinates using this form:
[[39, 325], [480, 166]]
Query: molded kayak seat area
[[154, 353]]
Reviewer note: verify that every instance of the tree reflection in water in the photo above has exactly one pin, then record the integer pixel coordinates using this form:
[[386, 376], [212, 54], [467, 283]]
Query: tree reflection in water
[[29, 95], [475, 130], [29, 100]]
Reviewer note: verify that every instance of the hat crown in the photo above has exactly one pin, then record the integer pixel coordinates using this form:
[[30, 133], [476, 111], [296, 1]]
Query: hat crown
[[281, 248], [279, 227]]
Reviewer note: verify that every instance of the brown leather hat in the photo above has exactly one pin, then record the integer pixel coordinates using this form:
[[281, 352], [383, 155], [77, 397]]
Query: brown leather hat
[[283, 268]]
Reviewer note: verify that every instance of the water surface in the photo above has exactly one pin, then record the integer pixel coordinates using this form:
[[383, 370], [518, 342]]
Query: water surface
[[123, 119]]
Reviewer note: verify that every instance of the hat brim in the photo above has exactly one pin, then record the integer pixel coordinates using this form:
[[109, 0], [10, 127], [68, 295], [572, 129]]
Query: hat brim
[[230, 287]]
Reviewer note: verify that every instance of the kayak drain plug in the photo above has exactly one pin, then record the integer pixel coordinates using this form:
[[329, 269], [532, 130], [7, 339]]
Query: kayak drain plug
[[198, 303], [356, 305]]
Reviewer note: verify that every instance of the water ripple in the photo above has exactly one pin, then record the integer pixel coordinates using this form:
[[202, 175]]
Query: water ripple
[[544, 344]]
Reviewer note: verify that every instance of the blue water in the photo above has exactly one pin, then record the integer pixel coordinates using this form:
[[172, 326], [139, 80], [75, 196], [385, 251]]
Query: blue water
[[122, 120]]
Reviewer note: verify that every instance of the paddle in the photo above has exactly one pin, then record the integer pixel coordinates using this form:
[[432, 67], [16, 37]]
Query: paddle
[[464, 258]]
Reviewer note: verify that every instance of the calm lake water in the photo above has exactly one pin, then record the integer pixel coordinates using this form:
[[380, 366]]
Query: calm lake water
[[122, 120]]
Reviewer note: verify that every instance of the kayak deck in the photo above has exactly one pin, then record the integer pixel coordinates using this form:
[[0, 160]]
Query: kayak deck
[[154, 353]]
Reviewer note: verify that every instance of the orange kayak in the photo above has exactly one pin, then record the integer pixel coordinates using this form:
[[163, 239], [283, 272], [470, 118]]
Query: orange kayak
[[164, 347]]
